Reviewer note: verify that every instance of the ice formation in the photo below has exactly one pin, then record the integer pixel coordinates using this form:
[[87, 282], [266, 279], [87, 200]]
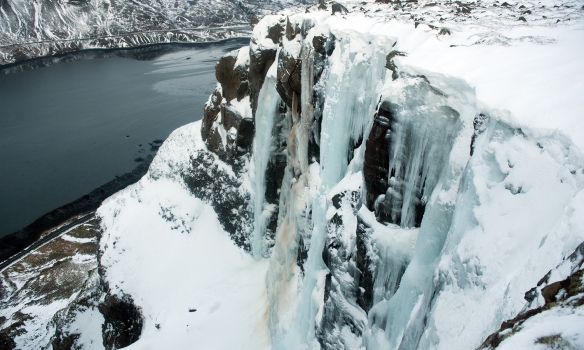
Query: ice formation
[[452, 237]]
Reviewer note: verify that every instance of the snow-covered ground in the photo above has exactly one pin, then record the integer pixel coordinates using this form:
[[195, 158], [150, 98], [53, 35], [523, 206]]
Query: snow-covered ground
[[38, 290], [166, 249]]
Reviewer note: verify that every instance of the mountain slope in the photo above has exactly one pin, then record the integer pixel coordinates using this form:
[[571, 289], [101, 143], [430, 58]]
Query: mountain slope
[[31, 29]]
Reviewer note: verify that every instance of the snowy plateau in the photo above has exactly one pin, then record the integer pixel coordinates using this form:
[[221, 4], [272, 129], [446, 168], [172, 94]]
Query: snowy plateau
[[366, 175]]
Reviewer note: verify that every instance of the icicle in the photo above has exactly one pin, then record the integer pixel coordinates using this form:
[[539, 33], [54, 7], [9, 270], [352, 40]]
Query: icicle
[[307, 113], [262, 150], [420, 136]]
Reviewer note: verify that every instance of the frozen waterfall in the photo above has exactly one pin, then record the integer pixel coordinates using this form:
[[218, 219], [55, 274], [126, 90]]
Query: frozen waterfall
[[398, 150], [263, 147]]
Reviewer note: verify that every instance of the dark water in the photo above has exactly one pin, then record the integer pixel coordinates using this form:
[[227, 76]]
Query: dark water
[[71, 127]]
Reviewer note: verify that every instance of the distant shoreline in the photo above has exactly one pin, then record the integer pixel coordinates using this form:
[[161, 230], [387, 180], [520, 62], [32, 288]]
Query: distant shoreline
[[19, 52], [141, 52]]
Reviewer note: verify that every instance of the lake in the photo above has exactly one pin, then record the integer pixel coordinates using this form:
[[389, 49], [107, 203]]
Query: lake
[[71, 127]]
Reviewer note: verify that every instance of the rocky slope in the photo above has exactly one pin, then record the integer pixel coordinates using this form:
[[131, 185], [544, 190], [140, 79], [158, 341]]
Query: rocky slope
[[42, 294], [363, 178], [553, 315]]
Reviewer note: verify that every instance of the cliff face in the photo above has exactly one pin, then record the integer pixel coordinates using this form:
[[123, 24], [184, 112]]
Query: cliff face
[[388, 199], [352, 184]]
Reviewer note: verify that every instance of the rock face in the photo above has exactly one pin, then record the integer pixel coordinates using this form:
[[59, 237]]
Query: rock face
[[347, 282], [375, 169], [227, 126], [401, 166], [261, 59], [233, 79], [339, 8], [289, 72]]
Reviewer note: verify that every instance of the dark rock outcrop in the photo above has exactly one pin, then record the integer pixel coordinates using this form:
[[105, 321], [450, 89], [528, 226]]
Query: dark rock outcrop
[[566, 293], [389, 64], [339, 8], [211, 111], [292, 29], [275, 33], [64, 341], [122, 321], [227, 76], [8, 334], [318, 42], [289, 75], [375, 168], [480, 125], [363, 263], [343, 283], [323, 47], [260, 61], [208, 181], [403, 157], [232, 136], [233, 79]]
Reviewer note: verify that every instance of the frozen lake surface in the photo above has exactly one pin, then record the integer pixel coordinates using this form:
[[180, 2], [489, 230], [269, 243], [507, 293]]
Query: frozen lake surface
[[71, 127]]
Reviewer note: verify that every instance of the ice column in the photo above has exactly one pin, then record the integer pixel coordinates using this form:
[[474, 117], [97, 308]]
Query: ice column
[[430, 149], [262, 150], [307, 109], [355, 76]]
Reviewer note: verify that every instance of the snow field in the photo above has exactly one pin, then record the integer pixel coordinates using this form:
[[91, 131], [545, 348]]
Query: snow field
[[167, 250]]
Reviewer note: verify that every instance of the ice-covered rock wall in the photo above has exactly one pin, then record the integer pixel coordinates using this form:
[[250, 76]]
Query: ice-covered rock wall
[[395, 209], [376, 195]]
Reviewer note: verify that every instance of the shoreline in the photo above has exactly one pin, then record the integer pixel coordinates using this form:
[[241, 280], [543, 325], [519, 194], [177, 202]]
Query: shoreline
[[19, 52], [140, 52], [16, 242]]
